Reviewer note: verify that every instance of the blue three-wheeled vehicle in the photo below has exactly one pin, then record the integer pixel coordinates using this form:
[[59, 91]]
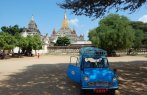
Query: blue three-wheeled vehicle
[[92, 72]]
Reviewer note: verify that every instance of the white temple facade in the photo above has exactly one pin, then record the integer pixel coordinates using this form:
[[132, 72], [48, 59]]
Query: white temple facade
[[32, 30]]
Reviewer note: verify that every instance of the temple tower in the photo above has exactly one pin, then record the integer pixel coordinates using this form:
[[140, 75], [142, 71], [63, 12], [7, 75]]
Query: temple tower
[[32, 28]]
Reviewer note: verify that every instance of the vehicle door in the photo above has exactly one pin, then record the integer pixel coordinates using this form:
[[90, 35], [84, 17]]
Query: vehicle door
[[74, 69]]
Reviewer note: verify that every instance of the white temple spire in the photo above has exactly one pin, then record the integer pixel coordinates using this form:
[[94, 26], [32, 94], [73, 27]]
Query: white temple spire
[[32, 17]]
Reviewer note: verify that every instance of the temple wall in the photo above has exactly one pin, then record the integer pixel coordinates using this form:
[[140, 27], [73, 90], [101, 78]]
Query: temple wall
[[75, 51], [64, 51]]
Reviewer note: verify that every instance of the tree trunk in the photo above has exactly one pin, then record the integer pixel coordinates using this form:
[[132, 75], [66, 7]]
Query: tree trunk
[[19, 53], [4, 54], [35, 53]]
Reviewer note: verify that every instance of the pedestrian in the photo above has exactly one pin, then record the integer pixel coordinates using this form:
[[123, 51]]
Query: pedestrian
[[38, 55]]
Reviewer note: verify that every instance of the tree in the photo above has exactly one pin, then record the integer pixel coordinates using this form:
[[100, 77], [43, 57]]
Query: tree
[[62, 41], [37, 45], [2, 41], [93, 37], [139, 35], [7, 41], [21, 42], [32, 43], [145, 40], [114, 33], [15, 32], [98, 8], [137, 25], [12, 29]]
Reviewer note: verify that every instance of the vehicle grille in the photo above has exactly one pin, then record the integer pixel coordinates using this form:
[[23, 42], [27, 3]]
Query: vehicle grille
[[99, 84]]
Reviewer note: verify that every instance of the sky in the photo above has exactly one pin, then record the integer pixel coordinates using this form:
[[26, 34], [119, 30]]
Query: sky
[[48, 15]]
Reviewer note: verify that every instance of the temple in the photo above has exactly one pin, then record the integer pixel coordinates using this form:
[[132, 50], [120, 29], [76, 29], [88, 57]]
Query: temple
[[66, 31], [32, 28]]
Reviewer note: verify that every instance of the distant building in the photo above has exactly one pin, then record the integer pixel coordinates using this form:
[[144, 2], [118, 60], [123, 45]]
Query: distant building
[[45, 43], [31, 29], [66, 31]]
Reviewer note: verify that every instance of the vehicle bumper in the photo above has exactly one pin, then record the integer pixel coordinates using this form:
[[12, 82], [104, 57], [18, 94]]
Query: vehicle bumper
[[114, 88], [100, 90]]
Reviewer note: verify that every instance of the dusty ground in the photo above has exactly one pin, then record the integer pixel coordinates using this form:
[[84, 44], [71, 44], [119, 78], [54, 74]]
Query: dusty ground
[[47, 76]]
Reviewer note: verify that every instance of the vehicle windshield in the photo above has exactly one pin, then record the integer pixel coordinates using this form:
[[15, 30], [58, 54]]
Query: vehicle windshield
[[96, 63]]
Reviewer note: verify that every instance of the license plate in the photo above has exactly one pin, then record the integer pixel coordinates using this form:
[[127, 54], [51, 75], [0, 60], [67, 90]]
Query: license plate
[[102, 84]]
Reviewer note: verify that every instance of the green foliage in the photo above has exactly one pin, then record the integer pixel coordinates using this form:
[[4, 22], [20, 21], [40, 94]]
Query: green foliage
[[145, 42], [31, 43], [7, 41], [98, 8], [139, 35], [15, 32], [34, 42], [23, 42], [137, 25], [2, 41], [114, 33], [37, 42], [12, 29], [93, 36], [10, 37], [62, 41]]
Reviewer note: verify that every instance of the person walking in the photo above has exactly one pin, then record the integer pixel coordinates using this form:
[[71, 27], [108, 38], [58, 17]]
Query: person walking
[[38, 55]]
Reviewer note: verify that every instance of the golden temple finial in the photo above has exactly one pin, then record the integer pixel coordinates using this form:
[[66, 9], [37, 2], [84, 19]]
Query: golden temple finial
[[65, 21]]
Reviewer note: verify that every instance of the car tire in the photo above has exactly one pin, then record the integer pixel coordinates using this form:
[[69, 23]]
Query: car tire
[[82, 92], [111, 92]]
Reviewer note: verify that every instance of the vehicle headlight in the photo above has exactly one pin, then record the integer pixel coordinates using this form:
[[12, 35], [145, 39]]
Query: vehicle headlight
[[114, 79], [86, 78]]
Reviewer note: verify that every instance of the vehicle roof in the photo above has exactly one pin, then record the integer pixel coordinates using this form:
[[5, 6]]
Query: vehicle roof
[[92, 52]]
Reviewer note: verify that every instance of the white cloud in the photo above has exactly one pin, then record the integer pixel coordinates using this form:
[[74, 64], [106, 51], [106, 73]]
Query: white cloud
[[143, 19], [74, 22]]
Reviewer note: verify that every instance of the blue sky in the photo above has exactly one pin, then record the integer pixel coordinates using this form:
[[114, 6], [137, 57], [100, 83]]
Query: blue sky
[[48, 15]]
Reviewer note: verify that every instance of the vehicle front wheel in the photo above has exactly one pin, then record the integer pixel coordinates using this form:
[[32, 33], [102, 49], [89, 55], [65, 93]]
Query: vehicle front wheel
[[82, 92], [111, 92]]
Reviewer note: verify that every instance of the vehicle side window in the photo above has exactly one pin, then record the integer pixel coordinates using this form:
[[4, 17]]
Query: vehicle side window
[[105, 62], [74, 60]]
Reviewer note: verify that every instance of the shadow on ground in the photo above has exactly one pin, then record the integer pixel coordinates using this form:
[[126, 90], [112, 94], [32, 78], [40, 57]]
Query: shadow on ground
[[132, 77], [44, 79], [51, 79]]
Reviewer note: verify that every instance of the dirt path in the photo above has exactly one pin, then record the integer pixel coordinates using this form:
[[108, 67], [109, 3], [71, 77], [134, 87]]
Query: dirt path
[[14, 65], [47, 76]]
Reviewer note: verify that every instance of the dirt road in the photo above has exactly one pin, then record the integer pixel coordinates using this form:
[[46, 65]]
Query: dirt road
[[47, 76]]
